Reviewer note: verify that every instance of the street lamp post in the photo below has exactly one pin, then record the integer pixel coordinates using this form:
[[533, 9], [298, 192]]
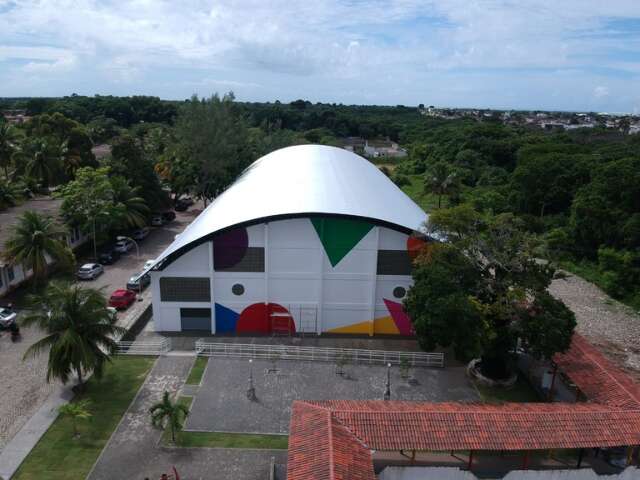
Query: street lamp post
[[387, 391], [251, 391]]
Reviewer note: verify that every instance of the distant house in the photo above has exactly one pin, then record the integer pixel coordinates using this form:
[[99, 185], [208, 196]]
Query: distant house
[[15, 116], [383, 148], [354, 144], [13, 275]]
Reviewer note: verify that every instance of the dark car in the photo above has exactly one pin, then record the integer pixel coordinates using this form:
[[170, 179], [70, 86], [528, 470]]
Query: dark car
[[169, 216], [109, 257], [180, 206], [138, 282]]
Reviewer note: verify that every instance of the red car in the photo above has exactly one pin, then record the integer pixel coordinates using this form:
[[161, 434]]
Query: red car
[[122, 298]]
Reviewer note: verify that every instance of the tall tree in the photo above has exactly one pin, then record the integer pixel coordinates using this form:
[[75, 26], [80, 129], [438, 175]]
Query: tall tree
[[8, 144], [483, 290], [168, 413], [441, 179], [80, 332], [88, 201], [10, 193], [129, 205], [129, 160], [33, 239], [213, 138]]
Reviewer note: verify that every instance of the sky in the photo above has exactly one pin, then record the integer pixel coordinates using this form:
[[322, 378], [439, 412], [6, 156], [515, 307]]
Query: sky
[[579, 55]]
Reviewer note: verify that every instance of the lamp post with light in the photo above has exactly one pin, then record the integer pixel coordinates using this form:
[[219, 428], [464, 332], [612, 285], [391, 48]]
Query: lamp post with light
[[387, 391], [251, 391]]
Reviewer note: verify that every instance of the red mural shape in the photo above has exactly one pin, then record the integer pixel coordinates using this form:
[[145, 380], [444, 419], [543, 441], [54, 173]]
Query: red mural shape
[[265, 319], [415, 245]]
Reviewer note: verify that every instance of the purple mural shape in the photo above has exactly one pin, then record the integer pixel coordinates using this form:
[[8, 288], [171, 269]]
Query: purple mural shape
[[229, 248]]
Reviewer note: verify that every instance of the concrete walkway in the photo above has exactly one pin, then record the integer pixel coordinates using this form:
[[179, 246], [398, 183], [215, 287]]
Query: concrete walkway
[[19, 447], [14, 453], [134, 452]]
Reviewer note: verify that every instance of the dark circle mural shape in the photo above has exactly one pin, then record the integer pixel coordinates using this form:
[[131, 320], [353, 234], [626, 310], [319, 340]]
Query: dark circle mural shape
[[237, 289], [399, 292], [229, 248]]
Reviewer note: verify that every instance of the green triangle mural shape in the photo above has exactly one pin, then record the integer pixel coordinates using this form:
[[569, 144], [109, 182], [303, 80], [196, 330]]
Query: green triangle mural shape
[[339, 235]]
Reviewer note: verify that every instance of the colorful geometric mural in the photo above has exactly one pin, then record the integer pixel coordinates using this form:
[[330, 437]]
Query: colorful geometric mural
[[396, 324], [400, 317], [226, 319], [229, 248], [416, 245], [339, 235], [257, 318]]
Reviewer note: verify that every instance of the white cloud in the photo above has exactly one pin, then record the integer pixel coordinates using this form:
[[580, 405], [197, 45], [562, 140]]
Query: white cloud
[[600, 91], [329, 47]]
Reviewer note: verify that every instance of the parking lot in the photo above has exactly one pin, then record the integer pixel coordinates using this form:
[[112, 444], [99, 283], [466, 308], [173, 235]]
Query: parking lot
[[23, 387]]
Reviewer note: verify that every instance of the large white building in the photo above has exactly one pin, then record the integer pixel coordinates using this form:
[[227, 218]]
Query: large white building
[[309, 239]]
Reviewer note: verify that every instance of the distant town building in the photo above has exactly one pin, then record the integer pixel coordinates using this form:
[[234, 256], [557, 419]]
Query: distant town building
[[383, 148]]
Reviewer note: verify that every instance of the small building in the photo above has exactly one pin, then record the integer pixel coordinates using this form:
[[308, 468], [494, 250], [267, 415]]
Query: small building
[[383, 148], [11, 276], [309, 239]]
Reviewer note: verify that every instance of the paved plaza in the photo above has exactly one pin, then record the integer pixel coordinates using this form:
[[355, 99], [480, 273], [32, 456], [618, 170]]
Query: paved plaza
[[221, 403]]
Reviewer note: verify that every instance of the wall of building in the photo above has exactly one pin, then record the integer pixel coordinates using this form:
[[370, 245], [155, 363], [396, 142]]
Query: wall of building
[[303, 275]]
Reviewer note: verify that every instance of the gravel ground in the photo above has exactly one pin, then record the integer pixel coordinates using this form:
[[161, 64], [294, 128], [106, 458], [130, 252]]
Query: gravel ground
[[22, 385], [614, 327]]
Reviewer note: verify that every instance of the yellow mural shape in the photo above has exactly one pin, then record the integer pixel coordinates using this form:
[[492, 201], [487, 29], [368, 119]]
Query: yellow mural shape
[[382, 326]]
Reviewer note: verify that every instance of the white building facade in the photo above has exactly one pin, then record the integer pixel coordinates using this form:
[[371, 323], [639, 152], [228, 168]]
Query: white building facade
[[330, 254]]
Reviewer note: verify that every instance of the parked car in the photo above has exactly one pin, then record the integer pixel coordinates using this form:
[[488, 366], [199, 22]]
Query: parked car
[[138, 282], [157, 220], [180, 207], [169, 216], [7, 317], [123, 244], [89, 271], [140, 234], [121, 298], [149, 263], [109, 256]]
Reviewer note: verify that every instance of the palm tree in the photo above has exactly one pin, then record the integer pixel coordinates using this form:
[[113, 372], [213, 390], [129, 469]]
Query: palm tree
[[43, 161], [132, 207], [35, 238], [76, 411], [8, 141], [168, 413], [441, 180], [80, 330], [9, 193]]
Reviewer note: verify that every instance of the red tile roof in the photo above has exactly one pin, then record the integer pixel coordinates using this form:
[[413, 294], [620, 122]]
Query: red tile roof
[[333, 439], [321, 448], [599, 379]]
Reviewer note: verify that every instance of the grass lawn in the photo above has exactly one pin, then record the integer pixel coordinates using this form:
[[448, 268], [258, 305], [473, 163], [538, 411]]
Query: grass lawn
[[520, 392], [426, 201], [224, 440], [60, 456], [197, 371]]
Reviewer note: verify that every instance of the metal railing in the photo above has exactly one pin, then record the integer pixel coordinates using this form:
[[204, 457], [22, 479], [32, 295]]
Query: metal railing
[[292, 352], [142, 347]]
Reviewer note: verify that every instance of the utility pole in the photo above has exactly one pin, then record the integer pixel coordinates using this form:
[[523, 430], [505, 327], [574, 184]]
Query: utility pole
[[251, 391]]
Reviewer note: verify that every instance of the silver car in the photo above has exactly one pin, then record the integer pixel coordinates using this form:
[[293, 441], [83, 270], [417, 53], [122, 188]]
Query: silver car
[[89, 271], [7, 317]]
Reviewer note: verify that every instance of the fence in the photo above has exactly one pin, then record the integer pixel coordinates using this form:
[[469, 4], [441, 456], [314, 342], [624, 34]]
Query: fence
[[292, 352], [152, 347]]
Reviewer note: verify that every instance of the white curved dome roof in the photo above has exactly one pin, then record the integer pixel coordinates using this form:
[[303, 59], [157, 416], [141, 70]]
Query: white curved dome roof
[[304, 179]]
